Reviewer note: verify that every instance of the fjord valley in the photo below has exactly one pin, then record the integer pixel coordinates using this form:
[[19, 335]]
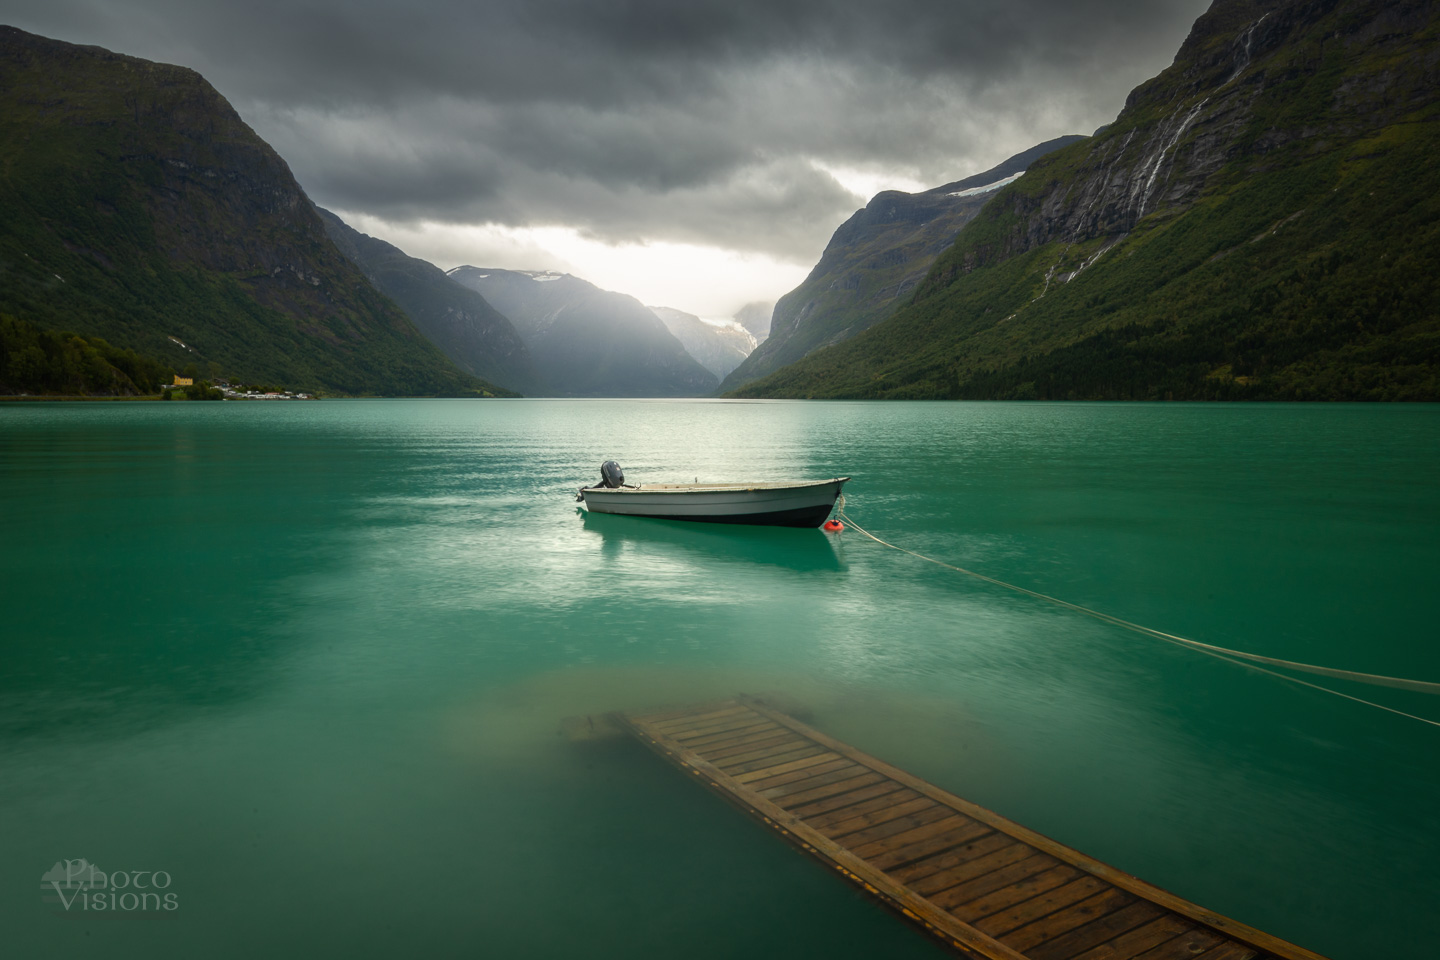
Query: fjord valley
[[140, 209], [1019, 672], [1262, 221], [590, 342]]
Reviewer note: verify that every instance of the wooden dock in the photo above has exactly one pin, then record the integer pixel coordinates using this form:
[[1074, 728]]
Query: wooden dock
[[986, 886]]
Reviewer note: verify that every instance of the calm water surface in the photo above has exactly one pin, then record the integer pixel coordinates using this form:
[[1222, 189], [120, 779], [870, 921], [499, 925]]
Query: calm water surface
[[311, 660]]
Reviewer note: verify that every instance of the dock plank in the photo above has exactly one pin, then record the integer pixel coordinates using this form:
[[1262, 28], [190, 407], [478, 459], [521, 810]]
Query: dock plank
[[728, 759], [732, 737], [1228, 951], [1129, 945], [814, 785], [1009, 896], [781, 763], [989, 888], [963, 861], [1061, 923], [962, 836], [1096, 932], [841, 802], [749, 745], [883, 802], [882, 835], [854, 821], [997, 923], [977, 878], [1187, 946]]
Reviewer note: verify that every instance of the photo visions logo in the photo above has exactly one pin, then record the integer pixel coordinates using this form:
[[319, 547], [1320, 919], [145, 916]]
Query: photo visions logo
[[81, 885]]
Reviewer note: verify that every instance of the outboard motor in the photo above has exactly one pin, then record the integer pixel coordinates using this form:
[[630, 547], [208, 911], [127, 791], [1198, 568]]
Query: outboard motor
[[611, 475]]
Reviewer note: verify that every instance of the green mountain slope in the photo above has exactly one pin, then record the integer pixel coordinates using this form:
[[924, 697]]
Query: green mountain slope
[[873, 262], [588, 342], [1260, 222], [139, 207], [473, 334]]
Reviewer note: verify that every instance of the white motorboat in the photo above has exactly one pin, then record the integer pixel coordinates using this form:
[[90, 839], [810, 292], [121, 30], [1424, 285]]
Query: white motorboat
[[801, 503]]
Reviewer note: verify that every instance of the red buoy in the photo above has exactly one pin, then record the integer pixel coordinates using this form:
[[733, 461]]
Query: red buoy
[[832, 526]]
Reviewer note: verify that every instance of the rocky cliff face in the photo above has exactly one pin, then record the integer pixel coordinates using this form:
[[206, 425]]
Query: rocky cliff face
[[473, 334], [1259, 222], [588, 342], [140, 207], [874, 262], [1254, 80]]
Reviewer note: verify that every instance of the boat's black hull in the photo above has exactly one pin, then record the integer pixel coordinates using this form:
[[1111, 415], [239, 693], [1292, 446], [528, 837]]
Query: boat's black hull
[[799, 517]]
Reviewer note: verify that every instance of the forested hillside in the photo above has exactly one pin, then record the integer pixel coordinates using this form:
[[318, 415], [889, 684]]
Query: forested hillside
[[139, 208]]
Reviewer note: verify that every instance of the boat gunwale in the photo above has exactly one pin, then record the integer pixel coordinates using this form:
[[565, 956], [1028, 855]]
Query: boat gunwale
[[683, 488]]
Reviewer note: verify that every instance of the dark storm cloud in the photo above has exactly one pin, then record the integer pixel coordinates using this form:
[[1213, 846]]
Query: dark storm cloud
[[703, 120]]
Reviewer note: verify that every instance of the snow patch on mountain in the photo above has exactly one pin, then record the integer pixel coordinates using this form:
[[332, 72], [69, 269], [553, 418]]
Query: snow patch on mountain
[[973, 191]]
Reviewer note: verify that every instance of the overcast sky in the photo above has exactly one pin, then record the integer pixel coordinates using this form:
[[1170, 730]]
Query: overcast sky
[[694, 153]]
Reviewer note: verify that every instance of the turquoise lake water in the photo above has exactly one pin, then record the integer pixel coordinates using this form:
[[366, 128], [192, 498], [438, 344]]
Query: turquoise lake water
[[311, 661]]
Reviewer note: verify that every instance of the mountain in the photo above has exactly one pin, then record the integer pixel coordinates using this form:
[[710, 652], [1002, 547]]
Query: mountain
[[756, 317], [1262, 221], [140, 208], [718, 348], [473, 334], [873, 261], [588, 342]]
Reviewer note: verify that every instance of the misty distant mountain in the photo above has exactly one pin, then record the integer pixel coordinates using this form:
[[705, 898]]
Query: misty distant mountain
[[719, 348], [588, 342], [755, 317], [474, 335], [874, 262]]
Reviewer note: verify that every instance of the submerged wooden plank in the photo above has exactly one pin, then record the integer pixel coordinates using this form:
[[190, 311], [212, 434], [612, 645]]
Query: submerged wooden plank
[[880, 790], [985, 885], [959, 832], [729, 737], [894, 801], [794, 782], [1002, 866], [970, 858], [1009, 896], [1096, 932], [747, 746], [727, 759], [1062, 923], [834, 826], [944, 926], [1132, 944]]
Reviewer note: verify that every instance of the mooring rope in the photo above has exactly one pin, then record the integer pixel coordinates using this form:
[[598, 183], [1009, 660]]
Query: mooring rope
[[1237, 657]]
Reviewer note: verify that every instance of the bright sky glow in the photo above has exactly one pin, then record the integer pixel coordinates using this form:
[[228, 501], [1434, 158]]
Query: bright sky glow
[[703, 280], [864, 184]]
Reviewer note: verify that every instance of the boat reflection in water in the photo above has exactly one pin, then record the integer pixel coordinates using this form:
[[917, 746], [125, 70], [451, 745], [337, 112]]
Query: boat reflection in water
[[801, 550]]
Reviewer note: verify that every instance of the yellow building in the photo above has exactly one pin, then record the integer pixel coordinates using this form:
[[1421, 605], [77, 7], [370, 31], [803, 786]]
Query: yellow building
[[184, 382]]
